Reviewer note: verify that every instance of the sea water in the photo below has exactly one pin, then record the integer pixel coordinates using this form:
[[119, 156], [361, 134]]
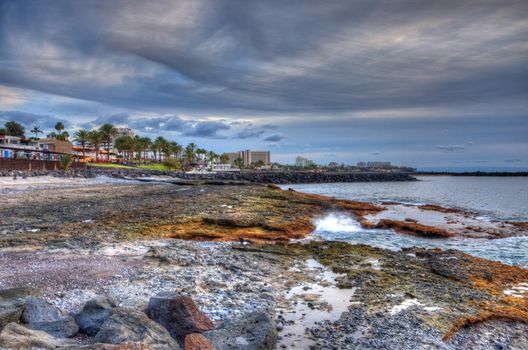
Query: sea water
[[497, 198]]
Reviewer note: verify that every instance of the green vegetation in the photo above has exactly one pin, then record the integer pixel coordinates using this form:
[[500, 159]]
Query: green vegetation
[[65, 161], [60, 133], [36, 130], [12, 128], [171, 163], [109, 165], [130, 150], [157, 166]]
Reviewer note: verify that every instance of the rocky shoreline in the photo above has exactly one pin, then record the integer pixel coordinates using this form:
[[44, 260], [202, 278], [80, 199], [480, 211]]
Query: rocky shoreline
[[268, 177], [234, 251]]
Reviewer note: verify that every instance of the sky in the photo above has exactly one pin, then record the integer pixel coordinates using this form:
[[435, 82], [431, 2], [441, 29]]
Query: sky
[[431, 84]]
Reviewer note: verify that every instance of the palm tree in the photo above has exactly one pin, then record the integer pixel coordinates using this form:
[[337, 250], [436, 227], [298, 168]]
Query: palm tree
[[159, 146], [59, 127], [145, 144], [190, 152], [96, 139], [81, 137], [108, 133], [36, 130], [212, 158], [239, 163], [63, 136], [176, 149], [224, 158]]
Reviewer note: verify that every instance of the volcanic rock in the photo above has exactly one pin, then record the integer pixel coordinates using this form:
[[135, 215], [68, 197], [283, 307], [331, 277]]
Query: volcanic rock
[[94, 313], [179, 314]]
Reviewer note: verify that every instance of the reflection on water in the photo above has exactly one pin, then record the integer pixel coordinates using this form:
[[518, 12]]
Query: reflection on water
[[312, 303], [513, 251]]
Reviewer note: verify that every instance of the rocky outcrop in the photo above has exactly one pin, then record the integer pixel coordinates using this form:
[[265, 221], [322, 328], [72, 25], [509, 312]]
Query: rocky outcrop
[[94, 313], [179, 314], [254, 331], [410, 228], [126, 325]]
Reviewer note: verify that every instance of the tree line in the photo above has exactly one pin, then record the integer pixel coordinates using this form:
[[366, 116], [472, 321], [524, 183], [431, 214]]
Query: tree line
[[130, 148]]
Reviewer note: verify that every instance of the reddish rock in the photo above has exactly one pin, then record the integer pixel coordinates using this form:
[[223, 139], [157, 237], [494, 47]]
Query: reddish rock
[[196, 341], [179, 314]]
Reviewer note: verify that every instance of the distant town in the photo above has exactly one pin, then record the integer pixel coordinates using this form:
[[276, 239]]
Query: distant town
[[110, 146]]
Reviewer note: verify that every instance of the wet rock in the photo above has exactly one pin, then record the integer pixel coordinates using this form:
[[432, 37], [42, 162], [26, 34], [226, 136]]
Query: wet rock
[[197, 341], [16, 336], [94, 313], [179, 314], [254, 331], [129, 325]]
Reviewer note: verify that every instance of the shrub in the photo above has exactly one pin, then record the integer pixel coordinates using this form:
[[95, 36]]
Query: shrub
[[171, 163], [65, 161]]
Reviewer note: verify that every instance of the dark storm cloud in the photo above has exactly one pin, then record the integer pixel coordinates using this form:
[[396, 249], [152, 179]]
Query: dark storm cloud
[[276, 56]]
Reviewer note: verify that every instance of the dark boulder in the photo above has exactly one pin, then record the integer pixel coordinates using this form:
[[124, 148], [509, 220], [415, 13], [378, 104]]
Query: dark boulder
[[38, 310], [94, 313], [255, 331], [40, 315], [12, 302], [179, 314], [127, 325]]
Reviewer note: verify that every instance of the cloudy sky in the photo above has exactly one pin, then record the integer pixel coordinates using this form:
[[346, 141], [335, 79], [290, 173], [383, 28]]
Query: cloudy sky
[[432, 84]]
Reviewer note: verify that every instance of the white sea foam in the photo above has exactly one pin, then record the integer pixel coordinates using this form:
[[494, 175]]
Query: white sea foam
[[337, 223]]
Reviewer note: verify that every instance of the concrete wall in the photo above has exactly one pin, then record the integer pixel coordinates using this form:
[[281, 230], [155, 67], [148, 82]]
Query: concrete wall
[[26, 165]]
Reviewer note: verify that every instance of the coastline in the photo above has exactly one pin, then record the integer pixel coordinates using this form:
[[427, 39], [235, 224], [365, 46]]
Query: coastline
[[135, 232], [268, 177]]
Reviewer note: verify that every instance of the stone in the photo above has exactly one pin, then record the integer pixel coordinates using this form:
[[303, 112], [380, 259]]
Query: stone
[[255, 331], [94, 313], [179, 314], [37, 310], [12, 302], [64, 327], [10, 311], [127, 325], [16, 336], [197, 341]]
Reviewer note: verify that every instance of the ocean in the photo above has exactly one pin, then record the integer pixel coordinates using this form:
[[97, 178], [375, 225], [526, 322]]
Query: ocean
[[490, 198]]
